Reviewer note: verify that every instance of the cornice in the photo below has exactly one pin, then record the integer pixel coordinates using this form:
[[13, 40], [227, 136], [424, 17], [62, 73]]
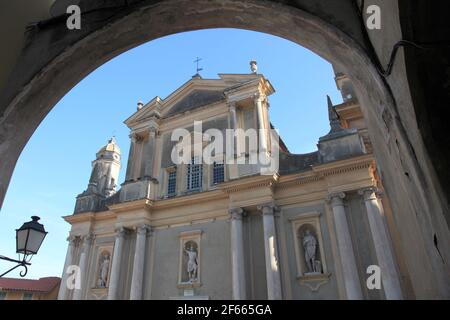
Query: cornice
[[248, 85], [145, 204], [151, 109], [104, 215], [80, 217], [320, 172], [203, 216], [295, 179], [344, 166], [349, 110], [317, 173], [90, 217], [347, 104], [188, 199], [260, 84], [253, 182]]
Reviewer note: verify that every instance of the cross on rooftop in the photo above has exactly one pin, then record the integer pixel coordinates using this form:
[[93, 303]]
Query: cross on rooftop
[[197, 61]]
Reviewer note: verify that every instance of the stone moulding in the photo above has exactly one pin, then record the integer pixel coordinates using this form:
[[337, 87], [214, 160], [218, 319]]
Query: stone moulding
[[249, 183], [344, 166], [298, 181], [188, 199], [192, 233], [188, 285], [99, 293], [314, 281]]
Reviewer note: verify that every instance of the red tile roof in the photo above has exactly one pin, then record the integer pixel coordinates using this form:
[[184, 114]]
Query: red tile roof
[[30, 285]]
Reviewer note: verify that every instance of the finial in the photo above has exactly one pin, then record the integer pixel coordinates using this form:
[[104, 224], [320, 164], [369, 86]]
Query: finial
[[197, 74], [335, 124], [254, 66], [140, 105], [112, 139]]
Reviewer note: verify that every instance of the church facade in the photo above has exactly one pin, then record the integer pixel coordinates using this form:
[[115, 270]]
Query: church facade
[[315, 226]]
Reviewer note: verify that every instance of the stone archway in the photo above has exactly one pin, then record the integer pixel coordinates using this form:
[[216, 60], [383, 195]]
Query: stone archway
[[102, 39]]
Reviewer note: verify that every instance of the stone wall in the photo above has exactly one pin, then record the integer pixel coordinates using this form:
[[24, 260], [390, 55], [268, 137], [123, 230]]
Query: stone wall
[[215, 275]]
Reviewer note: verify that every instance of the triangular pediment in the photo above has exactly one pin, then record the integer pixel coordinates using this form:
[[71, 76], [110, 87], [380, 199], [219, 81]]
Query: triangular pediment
[[194, 99], [148, 111], [195, 93]]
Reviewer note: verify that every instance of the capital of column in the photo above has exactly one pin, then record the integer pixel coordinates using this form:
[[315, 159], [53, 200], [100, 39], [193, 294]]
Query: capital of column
[[153, 132], [73, 240], [236, 213], [336, 199], [121, 232], [135, 138], [232, 105], [144, 229], [370, 193], [258, 97], [268, 209], [88, 238]]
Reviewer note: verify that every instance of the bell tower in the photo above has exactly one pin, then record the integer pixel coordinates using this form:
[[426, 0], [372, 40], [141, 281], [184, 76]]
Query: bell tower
[[105, 169], [103, 180]]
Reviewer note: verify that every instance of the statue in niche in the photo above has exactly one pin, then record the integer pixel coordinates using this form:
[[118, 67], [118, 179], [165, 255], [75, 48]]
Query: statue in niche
[[310, 248], [103, 270], [192, 264]]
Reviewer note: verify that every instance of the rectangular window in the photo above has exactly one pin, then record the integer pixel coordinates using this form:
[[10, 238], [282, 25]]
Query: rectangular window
[[27, 296], [194, 175], [2, 295], [172, 182], [218, 172]]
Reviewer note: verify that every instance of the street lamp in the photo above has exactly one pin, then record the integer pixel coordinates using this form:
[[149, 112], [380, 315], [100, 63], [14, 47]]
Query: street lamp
[[29, 238]]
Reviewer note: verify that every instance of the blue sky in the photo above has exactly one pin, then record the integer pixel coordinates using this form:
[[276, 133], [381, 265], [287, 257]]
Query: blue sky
[[56, 163]]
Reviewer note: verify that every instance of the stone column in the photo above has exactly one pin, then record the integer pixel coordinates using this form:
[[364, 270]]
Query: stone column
[[62, 294], [129, 174], [237, 254], [237, 137], [115, 269], [382, 243], [84, 256], [271, 253], [149, 155], [232, 106], [262, 134], [138, 157], [139, 261], [348, 261]]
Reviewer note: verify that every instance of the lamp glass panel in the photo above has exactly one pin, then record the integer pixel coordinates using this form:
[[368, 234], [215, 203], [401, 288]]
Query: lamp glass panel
[[34, 241], [21, 240]]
